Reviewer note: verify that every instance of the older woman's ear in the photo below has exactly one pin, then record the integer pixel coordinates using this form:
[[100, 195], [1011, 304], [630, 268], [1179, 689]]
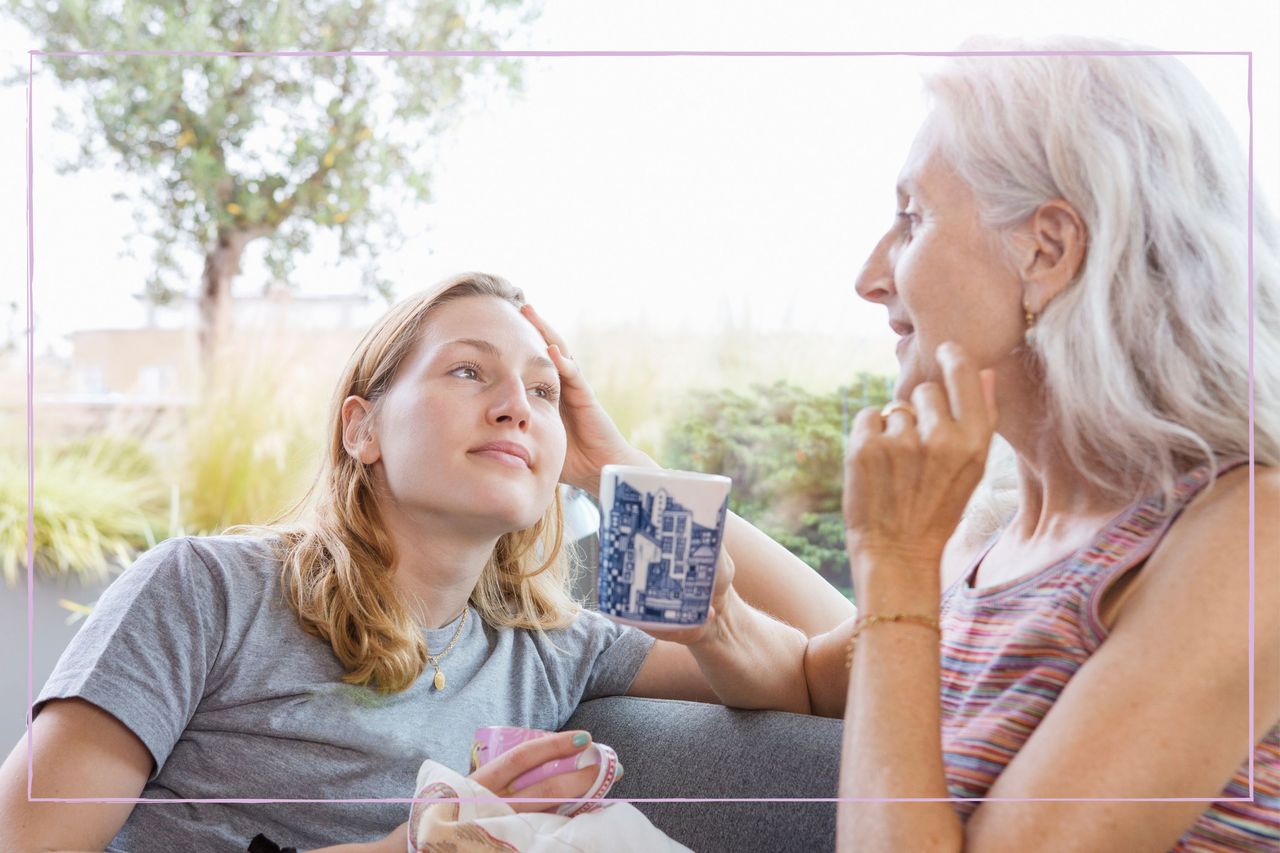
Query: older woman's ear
[[358, 437], [1054, 243]]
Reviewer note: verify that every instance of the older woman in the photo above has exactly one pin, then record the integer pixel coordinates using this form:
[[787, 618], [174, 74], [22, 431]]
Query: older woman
[[1068, 267]]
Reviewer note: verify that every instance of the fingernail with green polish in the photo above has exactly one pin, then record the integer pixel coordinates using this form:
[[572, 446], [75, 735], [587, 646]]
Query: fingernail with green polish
[[581, 739]]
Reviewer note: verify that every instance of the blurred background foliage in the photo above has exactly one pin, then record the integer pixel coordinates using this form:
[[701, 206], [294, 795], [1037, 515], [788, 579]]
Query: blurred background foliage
[[243, 453], [250, 447], [784, 448], [100, 500]]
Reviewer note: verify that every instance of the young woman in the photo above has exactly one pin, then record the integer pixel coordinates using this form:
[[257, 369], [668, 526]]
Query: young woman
[[422, 596]]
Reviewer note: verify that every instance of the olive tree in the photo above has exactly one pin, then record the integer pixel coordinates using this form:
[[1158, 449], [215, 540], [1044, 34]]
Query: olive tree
[[227, 150]]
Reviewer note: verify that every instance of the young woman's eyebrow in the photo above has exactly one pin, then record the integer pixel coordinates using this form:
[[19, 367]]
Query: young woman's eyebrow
[[489, 349]]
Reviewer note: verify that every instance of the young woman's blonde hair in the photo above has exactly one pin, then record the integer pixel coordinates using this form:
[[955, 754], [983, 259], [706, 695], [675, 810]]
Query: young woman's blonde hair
[[336, 564]]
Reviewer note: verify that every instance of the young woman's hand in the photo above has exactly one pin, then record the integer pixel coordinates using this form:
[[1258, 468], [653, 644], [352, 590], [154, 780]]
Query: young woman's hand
[[720, 600], [909, 475], [504, 772], [594, 439]]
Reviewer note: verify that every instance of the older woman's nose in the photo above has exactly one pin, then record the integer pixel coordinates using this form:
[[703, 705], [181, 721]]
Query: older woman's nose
[[875, 280]]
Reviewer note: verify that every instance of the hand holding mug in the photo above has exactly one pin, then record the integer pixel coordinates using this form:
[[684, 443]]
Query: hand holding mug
[[720, 600], [510, 774]]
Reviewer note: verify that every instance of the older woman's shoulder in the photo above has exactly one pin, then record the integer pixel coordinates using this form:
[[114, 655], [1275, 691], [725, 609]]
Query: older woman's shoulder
[[1225, 529], [1222, 508]]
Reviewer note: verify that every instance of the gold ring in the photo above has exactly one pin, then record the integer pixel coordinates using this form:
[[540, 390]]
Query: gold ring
[[899, 406]]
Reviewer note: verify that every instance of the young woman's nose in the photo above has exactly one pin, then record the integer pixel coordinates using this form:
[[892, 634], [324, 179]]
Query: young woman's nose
[[510, 403], [875, 280]]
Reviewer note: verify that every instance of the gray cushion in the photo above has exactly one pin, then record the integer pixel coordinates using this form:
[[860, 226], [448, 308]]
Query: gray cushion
[[693, 750]]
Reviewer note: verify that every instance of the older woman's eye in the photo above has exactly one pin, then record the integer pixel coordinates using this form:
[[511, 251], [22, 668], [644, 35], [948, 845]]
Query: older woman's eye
[[907, 220]]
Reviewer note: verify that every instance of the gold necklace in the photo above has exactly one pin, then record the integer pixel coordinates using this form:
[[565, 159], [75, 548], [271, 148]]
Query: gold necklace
[[435, 659]]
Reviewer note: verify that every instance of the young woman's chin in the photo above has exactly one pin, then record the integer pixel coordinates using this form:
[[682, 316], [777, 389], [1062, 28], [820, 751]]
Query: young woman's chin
[[507, 512]]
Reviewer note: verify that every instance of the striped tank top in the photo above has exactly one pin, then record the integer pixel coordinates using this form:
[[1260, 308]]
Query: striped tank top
[[1008, 651]]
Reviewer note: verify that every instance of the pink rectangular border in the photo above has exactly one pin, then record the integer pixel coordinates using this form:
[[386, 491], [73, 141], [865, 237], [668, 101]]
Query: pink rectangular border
[[638, 54]]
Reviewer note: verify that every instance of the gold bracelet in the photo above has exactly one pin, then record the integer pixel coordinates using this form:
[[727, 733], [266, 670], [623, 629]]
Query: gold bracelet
[[867, 621]]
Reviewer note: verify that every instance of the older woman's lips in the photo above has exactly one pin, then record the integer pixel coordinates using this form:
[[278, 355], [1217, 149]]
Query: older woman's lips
[[904, 332]]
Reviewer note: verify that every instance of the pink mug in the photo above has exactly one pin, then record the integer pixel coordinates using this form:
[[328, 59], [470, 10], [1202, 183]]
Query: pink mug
[[492, 741]]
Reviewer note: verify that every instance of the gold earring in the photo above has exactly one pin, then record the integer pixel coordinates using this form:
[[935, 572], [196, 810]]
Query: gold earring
[[1029, 336]]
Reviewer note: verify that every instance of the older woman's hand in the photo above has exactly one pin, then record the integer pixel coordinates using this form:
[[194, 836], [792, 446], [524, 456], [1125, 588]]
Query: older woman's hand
[[909, 474], [594, 439]]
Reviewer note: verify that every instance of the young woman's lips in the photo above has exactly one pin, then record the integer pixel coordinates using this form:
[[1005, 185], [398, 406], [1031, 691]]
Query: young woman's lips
[[504, 454], [503, 457]]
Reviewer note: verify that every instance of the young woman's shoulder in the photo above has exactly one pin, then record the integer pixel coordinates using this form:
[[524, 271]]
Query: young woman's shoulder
[[191, 595], [226, 565], [252, 552], [592, 656]]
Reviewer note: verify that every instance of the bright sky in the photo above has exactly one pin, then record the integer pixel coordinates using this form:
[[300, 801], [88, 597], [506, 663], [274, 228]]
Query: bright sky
[[688, 191]]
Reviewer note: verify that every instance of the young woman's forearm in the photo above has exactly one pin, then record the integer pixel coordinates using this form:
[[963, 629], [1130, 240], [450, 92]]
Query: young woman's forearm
[[825, 670], [754, 661], [772, 579]]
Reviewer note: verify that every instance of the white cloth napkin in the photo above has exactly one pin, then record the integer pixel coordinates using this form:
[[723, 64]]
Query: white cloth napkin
[[492, 825]]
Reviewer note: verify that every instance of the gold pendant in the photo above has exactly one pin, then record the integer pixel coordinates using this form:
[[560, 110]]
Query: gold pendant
[[439, 680]]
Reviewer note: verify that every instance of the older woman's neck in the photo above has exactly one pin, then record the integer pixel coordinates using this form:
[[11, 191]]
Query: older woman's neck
[[1052, 492], [1054, 498]]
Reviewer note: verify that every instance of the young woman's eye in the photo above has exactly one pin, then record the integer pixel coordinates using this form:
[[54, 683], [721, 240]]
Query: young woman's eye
[[468, 370], [550, 393]]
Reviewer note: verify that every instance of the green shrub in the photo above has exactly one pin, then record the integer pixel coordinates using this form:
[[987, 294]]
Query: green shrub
[[250, 445], [784, 448], [97, 501]]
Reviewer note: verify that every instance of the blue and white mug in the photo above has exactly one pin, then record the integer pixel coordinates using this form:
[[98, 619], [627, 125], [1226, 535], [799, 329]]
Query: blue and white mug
[[660, 536]]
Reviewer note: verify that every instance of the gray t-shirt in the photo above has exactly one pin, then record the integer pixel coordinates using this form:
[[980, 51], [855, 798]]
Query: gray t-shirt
[[195, 650]]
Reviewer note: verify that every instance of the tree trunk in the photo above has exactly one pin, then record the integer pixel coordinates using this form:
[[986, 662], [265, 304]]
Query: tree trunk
[[221, 266]]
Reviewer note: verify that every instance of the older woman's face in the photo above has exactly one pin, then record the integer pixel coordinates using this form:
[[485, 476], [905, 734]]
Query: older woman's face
[[940, 274]]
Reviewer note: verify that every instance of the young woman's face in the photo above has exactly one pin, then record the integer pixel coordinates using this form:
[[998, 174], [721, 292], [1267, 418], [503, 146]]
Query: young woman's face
[[470, 429], [939, 272]]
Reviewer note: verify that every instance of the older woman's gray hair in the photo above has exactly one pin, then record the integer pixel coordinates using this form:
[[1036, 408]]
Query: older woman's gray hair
[[1145, 355]]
